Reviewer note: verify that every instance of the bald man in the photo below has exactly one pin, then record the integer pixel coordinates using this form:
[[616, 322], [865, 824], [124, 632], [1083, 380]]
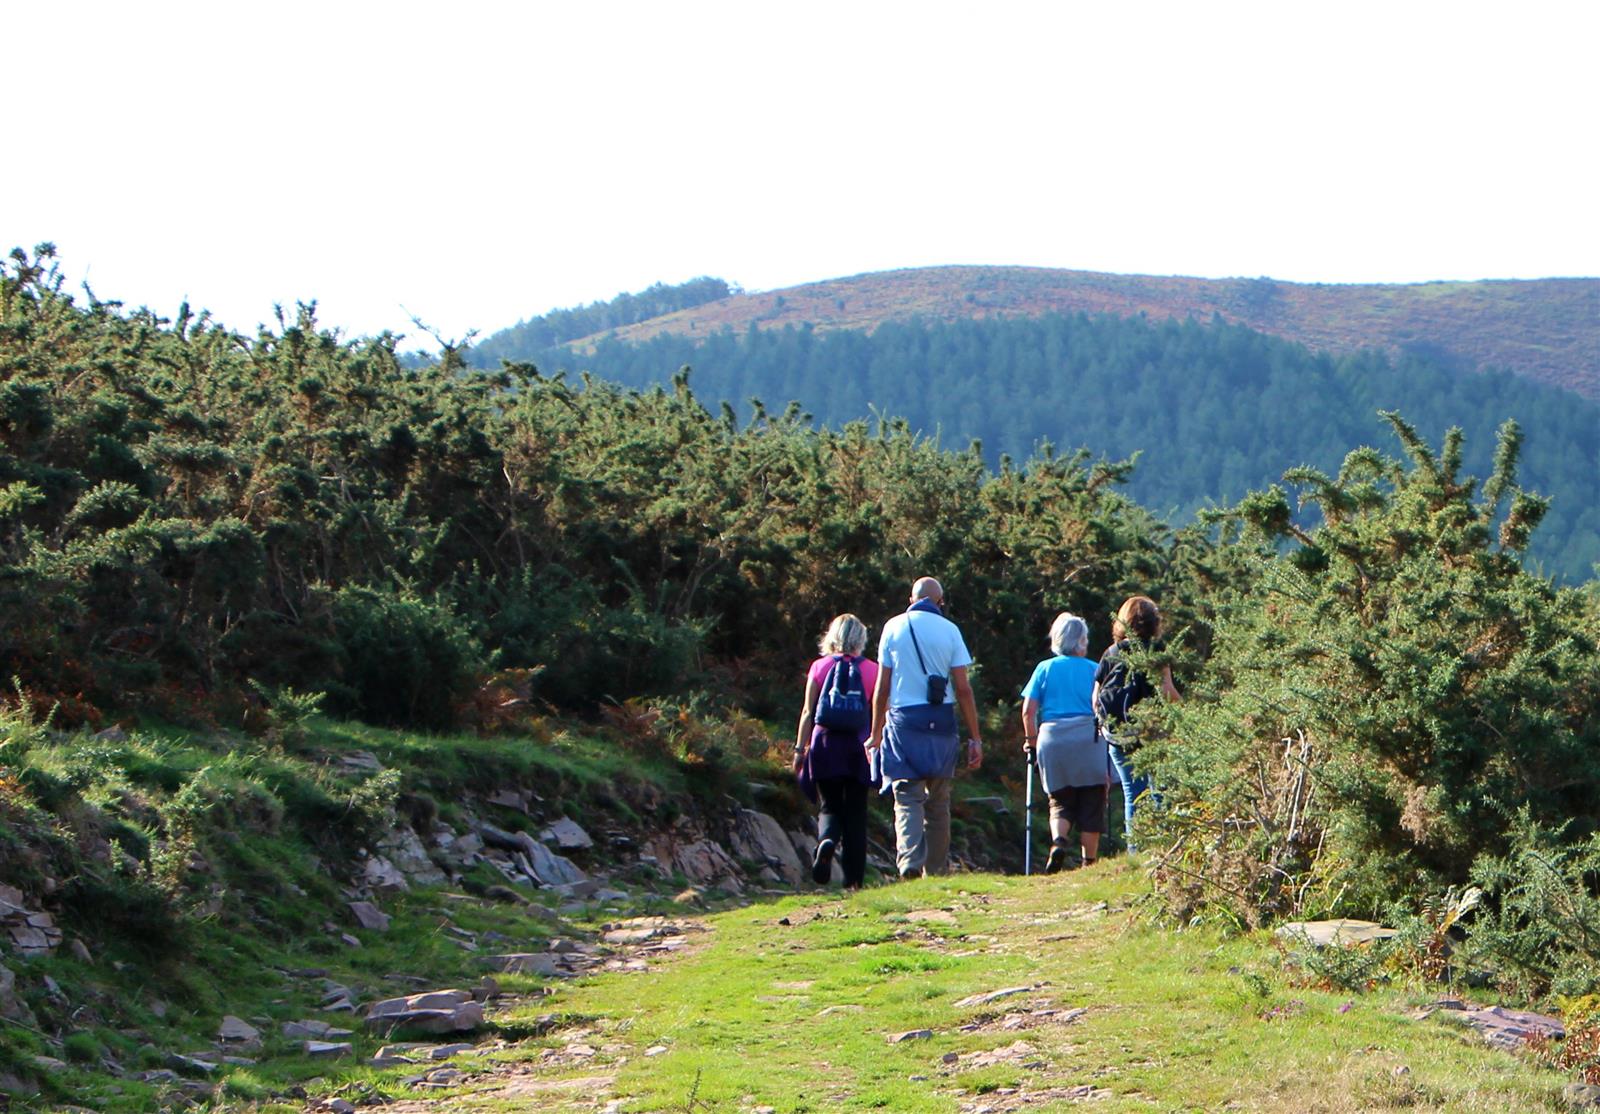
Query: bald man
[[922, 661]]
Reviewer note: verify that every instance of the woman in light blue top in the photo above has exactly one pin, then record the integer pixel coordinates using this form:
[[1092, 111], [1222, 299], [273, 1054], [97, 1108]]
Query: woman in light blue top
[[1058, 727]]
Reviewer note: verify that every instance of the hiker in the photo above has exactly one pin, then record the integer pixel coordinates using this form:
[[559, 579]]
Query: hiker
[[1117, 689], [828, 753], [1058, 730], [922, 658]]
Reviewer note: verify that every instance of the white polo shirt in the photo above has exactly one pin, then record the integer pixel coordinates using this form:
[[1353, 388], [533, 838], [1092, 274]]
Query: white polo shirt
[[943, 649]]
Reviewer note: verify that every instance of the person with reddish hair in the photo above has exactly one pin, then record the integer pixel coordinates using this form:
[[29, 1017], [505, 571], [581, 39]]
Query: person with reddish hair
[[1118, 688]]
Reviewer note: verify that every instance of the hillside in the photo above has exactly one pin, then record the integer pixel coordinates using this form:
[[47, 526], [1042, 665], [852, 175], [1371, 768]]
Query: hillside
[[1547, 330], [1215, 410]]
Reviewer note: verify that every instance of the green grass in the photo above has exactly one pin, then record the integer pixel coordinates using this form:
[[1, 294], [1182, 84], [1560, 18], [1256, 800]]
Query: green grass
[[797, 1016], [758, 1012]]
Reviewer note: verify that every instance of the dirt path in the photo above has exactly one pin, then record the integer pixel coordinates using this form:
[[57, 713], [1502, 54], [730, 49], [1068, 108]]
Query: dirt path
[[566, 1062]]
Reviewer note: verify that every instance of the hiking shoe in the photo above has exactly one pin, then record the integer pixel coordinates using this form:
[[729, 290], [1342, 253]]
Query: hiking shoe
[[822, 863], [1057, 859]]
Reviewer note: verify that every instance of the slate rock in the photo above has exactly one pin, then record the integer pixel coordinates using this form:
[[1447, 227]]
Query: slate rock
[[910, 1035], [1321, 934], [1508, 1029], [759, 838], [992, 996], [305, 1030], [404, 849], [439, 1011], [234, 1030], [384, 876], [543, 964], [190, 1065], [1581, 1096], [369, 916], [327, 1050], [567, 835]]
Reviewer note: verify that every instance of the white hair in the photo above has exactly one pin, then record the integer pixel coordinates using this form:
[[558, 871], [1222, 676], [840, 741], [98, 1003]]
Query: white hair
[[846, 635], [1069, 636]]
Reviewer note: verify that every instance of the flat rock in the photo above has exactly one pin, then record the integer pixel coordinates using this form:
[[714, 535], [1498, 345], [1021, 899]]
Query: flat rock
[[910, 1035], [445, 1051], [440, 1011], [431, 1000], [992, 996], [363, 760], [190, 1065], [327, 1050], [1581, 1096], [369, 916], [382, 875], [305, 1030], [1321, 934], [567, 835], [235, 1030], [1508, 1029], [543, 964]]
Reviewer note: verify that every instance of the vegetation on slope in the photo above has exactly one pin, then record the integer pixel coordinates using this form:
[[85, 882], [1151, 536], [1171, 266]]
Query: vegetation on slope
[[1537, 329], [1213, 410], [187, 510]]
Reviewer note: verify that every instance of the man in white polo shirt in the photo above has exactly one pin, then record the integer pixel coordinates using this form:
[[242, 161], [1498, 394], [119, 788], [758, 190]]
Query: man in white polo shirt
[[922, 663]]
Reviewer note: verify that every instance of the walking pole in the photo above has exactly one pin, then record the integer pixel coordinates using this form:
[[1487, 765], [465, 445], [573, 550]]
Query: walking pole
[[1027, 822]]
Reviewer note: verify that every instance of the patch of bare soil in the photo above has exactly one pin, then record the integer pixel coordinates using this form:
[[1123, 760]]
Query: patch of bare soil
[[1004, 1099], [542, 1081], [1020, 1020]]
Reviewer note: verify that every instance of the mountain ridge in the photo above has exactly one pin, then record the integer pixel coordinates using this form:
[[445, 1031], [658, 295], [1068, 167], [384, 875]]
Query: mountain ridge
[[1547, 330]]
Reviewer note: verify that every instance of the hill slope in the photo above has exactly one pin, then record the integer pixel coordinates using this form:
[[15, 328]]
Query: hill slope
[[1216, 410], [1547, 330]]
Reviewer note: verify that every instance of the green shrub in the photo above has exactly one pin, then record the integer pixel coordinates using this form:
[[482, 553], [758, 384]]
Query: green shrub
[[402, 660], [1369, 719]]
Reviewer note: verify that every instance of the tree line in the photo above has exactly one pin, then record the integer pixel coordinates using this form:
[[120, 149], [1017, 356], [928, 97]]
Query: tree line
[[1213, 410]]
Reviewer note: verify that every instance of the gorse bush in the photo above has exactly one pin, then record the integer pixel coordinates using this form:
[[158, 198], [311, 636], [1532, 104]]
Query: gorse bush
[[184, 509], [1387, 693]]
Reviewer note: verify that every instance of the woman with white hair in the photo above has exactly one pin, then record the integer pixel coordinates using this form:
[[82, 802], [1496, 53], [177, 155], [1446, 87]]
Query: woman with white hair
[[1058, 727], [829, 755]]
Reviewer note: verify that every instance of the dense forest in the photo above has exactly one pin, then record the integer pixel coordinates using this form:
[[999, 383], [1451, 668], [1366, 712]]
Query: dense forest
[[534, 336], [1213, 410], [1382, 703]]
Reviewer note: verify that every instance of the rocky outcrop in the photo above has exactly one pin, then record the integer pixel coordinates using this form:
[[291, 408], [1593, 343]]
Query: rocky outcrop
[[403, 848], [567, 835], [534, 859], [31, 932], [11, 1006], [703, 861], [438, 1011], [759, 838]]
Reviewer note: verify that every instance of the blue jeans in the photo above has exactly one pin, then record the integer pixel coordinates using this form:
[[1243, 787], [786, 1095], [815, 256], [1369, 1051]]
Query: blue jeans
[[1133, 784]]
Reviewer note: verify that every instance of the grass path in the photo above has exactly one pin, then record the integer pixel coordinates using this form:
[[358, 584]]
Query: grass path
[[794, 1005]]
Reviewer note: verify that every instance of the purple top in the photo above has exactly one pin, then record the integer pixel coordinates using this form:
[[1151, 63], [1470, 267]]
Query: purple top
[[836, 754]]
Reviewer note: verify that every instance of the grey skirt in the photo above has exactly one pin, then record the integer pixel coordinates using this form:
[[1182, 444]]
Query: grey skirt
[[1071, 753]]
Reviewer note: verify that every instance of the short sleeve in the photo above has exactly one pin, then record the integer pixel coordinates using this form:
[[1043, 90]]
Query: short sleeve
[[819, 670], [959, 655], [885, 650], [1034, 689]]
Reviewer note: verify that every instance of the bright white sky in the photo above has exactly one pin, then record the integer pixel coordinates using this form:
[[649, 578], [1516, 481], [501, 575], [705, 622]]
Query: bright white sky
[[479, 163]]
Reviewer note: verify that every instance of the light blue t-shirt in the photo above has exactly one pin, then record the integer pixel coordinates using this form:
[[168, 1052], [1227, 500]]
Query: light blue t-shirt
[[943, 649], [1064, 687]]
